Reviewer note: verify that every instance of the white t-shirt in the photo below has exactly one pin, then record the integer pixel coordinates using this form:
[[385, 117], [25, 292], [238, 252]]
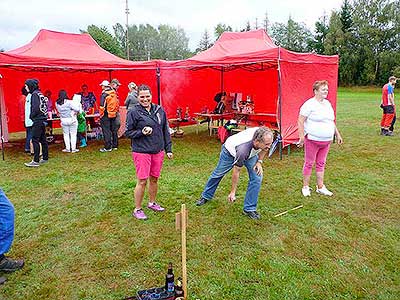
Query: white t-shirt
[[240, 146], [320, 120]]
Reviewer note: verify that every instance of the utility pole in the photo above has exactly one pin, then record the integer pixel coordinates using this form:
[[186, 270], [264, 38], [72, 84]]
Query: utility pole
[[127, 29]]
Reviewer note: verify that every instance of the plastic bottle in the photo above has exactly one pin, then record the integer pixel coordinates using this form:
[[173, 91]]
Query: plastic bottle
[[169, 279]]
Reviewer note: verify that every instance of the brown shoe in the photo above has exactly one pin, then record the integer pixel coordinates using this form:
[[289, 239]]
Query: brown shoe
[[9, 265]]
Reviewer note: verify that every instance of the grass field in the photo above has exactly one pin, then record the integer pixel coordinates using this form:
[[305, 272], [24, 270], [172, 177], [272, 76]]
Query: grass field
[[74, 226]]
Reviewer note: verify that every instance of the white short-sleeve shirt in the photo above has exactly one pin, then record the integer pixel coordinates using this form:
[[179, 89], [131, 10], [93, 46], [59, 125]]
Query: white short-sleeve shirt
[[240, 146], [320, 120]]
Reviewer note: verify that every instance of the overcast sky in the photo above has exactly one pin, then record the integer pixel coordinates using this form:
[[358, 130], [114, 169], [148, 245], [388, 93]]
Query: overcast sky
[[20, 20]]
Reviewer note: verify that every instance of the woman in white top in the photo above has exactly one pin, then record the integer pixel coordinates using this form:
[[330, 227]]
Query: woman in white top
[[68, 109], [316, 125]]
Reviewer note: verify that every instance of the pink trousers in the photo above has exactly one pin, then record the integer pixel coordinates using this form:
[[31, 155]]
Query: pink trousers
[[315, 152]]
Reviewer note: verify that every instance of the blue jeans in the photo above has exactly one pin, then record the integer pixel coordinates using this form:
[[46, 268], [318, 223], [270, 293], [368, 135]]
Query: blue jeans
[[28, 138], [6, 223], [225, 164]]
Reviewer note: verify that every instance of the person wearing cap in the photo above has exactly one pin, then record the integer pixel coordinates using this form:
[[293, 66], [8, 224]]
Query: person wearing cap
[[115, 84], [109, 106], [131, 98]]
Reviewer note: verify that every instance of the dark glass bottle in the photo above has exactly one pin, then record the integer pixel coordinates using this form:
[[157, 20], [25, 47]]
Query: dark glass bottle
[[179, 294], [169, 279]]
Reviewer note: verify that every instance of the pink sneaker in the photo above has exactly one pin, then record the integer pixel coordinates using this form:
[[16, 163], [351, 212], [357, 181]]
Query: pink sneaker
[[139, 214], [156, 207]]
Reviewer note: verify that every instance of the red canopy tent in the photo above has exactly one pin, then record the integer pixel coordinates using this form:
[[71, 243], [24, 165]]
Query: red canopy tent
[[63, 61], [278, 80]]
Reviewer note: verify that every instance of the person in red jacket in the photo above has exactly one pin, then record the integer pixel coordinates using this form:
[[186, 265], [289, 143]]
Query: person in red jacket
[[387, 105]]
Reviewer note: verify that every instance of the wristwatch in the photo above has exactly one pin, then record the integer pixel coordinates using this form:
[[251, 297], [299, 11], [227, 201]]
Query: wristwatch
[[260, 161]]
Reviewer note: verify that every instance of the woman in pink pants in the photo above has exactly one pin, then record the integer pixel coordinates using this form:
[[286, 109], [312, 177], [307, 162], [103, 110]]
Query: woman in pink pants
[[317, 128]]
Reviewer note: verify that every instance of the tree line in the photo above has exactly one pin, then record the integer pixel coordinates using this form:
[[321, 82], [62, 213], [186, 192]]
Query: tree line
[[364, 33]]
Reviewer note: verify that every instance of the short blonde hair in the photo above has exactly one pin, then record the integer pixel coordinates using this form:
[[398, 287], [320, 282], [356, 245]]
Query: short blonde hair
[[318, 84]]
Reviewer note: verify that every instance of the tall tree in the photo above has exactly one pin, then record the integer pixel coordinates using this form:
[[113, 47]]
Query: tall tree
[[220, 29], [334, 39], [343, 43], [205, 42], [365, 34], [345, 16], [147, 42], [248, 27], [105, 40], [172, 43], [292, 35], [377, 33], [321, 31], [120, 35]]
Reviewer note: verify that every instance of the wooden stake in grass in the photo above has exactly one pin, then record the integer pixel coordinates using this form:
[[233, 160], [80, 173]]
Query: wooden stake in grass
[[286, 211], [181, 219]]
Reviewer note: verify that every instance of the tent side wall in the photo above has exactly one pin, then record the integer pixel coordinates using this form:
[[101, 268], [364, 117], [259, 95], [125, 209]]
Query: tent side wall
[[196, 88], [187, 88], [138, 76], [13, 81], [69, 80], [297, 78], [261, 86]]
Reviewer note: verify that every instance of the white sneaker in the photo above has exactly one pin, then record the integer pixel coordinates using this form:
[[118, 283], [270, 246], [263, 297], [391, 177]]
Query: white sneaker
[[32, 164], [75, 150], [324, 191], [66, 150], [306, 191]]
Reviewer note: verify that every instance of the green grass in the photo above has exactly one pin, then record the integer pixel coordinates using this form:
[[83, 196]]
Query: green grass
[[74, 226]]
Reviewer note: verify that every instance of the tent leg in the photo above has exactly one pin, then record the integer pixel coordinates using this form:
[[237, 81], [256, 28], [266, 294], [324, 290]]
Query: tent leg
[[1, 133], [158, 79], [1, 127], [222, 79]]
